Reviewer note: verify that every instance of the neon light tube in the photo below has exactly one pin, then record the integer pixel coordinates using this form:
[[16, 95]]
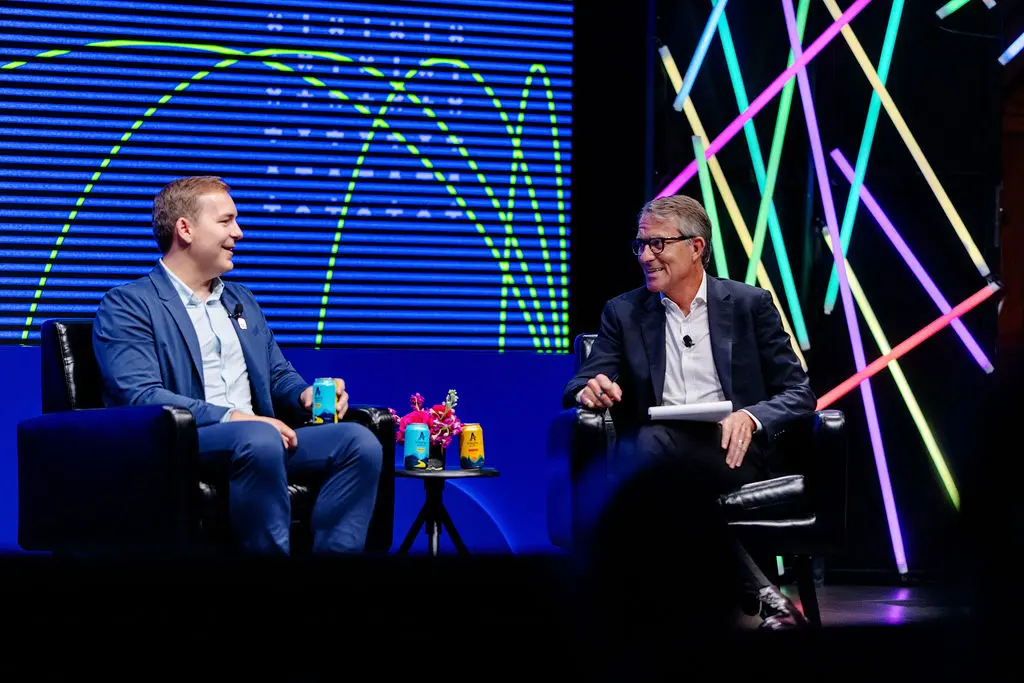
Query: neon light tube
[[717, 246], [950, 7], [915, 265], [729, 200], [852, 325], [698, 56], [778, 243], [910, 342], [1012, 51], [775, 154], [915, 150], [904, 387], [761, 100], [849, 216]]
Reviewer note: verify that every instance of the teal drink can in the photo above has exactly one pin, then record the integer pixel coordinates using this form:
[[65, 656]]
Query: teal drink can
[[324, 397], [417, 446]]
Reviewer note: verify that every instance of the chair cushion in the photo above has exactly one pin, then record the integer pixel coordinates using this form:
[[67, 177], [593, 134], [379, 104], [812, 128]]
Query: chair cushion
[[781, 500]]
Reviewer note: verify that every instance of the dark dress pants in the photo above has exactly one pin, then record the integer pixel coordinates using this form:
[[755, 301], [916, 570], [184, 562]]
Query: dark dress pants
[[694, 449], [345, 456]]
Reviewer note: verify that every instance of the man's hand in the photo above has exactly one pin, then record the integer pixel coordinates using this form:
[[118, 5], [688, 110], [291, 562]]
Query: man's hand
[[600, 392], [340, 398], [737, 430], [288, 436]]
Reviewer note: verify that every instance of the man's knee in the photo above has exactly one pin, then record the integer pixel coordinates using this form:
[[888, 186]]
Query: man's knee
[[368, 451], [359, 448], [261, 450]]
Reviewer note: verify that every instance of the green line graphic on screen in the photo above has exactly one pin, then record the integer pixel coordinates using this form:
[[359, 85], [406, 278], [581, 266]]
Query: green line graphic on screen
[[393, 192]]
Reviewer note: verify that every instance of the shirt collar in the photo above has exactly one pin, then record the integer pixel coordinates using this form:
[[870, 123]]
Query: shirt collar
[[701, 297], [188, 297]]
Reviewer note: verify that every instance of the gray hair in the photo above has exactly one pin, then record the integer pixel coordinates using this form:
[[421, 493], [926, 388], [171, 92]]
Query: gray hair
[[690, 217]]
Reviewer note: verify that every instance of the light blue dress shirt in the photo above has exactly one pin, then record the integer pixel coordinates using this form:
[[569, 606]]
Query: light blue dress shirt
[[225, 376]]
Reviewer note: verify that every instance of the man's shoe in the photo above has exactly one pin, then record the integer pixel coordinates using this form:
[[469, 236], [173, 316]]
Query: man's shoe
[[778, 613]]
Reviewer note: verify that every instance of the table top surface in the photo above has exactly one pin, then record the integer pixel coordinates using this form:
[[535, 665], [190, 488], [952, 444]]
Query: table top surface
[[448, 473]]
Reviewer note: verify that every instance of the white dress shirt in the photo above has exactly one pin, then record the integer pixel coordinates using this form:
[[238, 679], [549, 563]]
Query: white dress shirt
[[225, 376], [690, 373]]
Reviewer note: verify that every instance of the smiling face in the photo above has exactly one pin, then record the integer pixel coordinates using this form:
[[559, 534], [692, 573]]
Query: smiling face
[[677, 263], [209, 238]]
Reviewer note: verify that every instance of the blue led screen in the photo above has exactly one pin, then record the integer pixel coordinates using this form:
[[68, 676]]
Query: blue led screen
[[402, 170]]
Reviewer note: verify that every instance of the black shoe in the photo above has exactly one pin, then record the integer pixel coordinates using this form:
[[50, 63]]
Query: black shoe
[[778, 613]]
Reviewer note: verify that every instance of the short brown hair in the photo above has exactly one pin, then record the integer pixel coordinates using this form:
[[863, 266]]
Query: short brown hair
[[179, 198], [690, 215]]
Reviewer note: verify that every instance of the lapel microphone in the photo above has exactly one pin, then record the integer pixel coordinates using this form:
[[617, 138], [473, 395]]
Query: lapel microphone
[[238, 313], [687, 342]]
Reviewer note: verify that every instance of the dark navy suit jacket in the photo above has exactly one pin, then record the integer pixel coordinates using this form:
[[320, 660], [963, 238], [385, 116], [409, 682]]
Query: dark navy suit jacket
[[148, 352], [756, 364]]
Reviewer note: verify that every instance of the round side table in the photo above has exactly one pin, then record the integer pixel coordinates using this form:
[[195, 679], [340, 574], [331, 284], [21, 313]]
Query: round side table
[[433, 514]]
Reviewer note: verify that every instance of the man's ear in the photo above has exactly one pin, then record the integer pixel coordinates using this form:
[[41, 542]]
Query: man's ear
[[183, 231], [699, 253]]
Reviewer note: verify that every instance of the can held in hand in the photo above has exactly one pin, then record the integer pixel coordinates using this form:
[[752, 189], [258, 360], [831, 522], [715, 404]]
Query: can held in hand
[[471, 447], [417, 446], [324, 400]]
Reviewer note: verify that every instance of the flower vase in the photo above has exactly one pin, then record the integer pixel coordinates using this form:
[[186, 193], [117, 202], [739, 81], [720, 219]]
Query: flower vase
[[436, 461]]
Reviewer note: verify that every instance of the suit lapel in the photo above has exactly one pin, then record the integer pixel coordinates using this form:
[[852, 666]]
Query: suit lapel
[[169, 296], [245, 337], [720, 305], [652, 329]]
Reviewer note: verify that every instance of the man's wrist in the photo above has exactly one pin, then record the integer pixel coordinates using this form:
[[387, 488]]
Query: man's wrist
[[757, 423]]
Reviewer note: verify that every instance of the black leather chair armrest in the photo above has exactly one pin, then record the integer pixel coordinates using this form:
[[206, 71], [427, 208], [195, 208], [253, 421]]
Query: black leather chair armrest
[[578, 446], [816, 447], [381, 422], [109, 480]]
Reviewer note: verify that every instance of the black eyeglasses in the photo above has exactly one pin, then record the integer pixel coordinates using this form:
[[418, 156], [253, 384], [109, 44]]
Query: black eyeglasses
[[656, 244]]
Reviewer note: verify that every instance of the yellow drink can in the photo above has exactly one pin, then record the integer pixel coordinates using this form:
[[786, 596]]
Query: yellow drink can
[[471, 447]]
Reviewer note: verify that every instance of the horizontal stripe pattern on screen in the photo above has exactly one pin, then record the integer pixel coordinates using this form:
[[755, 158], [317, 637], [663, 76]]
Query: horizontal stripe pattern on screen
[[402, 171]]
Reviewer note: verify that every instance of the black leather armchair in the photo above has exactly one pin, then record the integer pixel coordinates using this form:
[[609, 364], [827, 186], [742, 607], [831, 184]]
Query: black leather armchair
[[97, 480], [800, 514]]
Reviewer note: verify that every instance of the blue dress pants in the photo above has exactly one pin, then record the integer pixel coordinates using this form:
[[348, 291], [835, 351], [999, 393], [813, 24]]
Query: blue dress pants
[[345, 456]]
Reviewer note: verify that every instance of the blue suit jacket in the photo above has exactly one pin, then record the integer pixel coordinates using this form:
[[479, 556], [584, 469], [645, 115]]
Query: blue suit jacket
[[148, 352], [756, 364]]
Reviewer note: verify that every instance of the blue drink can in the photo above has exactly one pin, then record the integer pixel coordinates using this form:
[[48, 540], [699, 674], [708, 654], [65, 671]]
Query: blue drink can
[[417, 446], [324, 397]]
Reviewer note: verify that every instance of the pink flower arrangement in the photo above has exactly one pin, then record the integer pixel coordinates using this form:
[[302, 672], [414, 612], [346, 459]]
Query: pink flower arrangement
[[444, 424]]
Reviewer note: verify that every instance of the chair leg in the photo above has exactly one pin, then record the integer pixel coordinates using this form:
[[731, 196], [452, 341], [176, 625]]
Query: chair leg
[[804, 567]]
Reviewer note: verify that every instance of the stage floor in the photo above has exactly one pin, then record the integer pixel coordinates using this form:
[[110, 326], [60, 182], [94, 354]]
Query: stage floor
[[844, 605], [480, 614]]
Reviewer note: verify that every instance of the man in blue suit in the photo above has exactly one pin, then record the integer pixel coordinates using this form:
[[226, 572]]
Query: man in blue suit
[[183, 336], [688, 338]]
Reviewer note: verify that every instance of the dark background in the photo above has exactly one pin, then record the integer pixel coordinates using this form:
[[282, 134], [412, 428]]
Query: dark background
[[945, 80]]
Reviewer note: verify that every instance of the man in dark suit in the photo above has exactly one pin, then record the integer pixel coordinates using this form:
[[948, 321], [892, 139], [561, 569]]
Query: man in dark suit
[[183, 336], [688, 338]]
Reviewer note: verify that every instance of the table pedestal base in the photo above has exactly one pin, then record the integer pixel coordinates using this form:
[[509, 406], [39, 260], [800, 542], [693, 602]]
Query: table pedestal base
[[433, 516]]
